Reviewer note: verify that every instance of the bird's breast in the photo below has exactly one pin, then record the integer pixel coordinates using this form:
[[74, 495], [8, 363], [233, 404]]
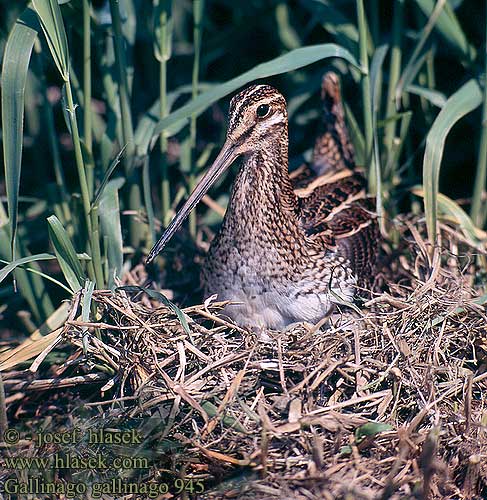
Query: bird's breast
[[268, 292]]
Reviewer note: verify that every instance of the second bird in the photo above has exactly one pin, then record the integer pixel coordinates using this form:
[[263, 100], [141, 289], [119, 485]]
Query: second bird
[[290, 246]]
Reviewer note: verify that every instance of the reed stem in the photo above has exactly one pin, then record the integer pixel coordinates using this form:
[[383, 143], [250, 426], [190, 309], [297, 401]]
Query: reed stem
[[121, 64], [54, 148], [91, 242], [165, 54], [198, 8], [85, 194], [134, 191], [366, 97], [87, 116], [394, 74], [97, 261], [146, 187], [479, 202]]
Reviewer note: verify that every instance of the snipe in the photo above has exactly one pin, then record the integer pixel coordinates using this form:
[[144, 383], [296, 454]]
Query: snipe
[[289, 246]]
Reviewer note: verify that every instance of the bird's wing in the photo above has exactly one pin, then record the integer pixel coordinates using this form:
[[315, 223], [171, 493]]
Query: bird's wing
[[333, 206], [335, 211]]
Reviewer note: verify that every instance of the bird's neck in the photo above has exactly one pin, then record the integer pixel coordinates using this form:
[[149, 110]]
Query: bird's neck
[[263, 196]]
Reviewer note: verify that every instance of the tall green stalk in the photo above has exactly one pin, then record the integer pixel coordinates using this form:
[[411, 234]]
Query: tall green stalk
[[134, 194], [146, 186], [394, 74], [430, 69], [96, 250], [85, 193], [66, 216], [165, 188], [123, 87], [479, 203], [198, 8], [366, 96], [412, 66], [87, 126], [163, 54], [93, 244]]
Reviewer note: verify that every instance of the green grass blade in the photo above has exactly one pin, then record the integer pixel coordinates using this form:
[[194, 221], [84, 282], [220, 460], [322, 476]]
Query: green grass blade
[[122, 75], [397, 146], [66, 254], [161, 298], [123, 69], [462, 102], [87, 111], [394, 72], [291, 61], [393, 118], [113, 131], [375, 69], [14, 76], [370, 429], [479, 189], [144, 133], [448, 207], [449, 27], [111, 229], [435, 97], [146, 187], [409, 74], [419, 56], [5, 271], [198, 12], [106, 177], [53, 27], [198, 15], [87, 128], [163, 49], [38, 274], [98, 123], [31, 287], [356, 136], [49, 120], [96, 249], [375, 72], [366, 98]]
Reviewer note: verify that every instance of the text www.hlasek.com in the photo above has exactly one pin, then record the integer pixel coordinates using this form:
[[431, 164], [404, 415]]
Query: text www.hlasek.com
[[66, 461]]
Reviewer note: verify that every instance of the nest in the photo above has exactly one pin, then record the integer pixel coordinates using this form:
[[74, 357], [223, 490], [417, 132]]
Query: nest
[[385, 402]]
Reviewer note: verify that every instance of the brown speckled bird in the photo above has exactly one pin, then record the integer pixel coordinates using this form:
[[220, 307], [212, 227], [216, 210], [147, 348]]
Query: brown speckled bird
[[290, 246]]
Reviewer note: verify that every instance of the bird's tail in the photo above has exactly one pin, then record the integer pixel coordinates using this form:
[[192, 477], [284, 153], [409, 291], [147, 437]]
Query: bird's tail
[[333, 150]]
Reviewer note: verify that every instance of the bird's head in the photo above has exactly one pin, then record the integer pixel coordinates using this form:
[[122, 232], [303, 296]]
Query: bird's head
[[256, 115]]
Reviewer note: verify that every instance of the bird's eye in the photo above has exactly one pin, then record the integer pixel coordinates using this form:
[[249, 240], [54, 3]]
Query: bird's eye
[[263, 110]]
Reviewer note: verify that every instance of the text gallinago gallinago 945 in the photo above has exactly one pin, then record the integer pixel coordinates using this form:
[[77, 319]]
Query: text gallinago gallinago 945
[[289, 245]]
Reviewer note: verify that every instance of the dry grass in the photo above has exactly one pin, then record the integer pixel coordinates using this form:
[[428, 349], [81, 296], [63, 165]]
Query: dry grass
[[288, 416]]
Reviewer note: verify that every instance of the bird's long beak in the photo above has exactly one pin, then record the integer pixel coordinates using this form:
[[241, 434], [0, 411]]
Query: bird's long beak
[[224, 159]]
